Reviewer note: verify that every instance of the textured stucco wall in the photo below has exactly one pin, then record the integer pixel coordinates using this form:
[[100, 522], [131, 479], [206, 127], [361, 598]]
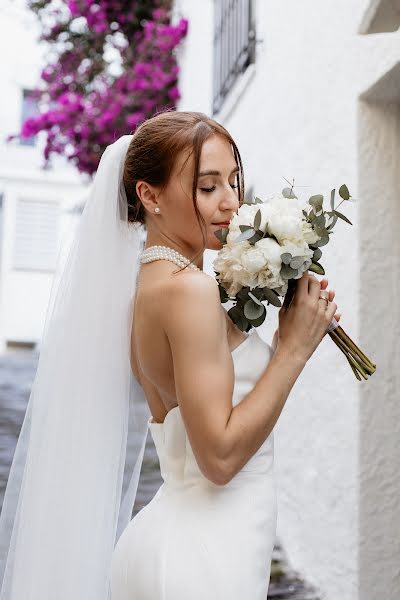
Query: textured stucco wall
[[299, 114]]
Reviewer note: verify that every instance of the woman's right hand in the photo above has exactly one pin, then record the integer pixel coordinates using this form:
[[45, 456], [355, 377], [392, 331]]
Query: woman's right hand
[[305, 322]]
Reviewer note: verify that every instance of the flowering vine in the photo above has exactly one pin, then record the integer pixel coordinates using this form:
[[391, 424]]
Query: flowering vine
[[111, 65]]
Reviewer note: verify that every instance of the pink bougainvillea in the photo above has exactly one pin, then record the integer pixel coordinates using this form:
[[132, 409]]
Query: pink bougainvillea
[[112, 64]]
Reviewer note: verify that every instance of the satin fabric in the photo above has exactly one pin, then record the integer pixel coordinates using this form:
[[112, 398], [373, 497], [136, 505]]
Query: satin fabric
[[196, 539]]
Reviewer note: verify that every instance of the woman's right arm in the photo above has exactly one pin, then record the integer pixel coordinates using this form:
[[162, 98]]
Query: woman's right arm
[[224, 438]]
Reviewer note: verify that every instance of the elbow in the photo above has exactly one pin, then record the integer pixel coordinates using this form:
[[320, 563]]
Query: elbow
[[219, 473]]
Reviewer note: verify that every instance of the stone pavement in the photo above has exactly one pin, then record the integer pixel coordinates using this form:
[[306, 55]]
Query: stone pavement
[[17, 372]]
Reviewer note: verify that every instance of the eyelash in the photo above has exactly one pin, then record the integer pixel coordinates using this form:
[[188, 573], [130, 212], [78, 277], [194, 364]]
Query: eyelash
[[208, 190]]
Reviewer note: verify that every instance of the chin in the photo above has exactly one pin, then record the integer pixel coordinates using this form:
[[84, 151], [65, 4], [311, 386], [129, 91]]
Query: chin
[[214, 244]]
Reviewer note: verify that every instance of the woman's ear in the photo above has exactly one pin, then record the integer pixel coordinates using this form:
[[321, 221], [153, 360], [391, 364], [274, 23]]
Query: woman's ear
[[147, 194]]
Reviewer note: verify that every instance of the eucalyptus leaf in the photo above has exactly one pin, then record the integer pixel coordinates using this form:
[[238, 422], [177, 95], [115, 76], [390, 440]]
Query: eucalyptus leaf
[[271, 297], [257, 292], [287, 272], [260, 320], [257, 219], [320, 220], [317, 255], [288, 193], [297, 262], [286, 257], [256, 237], [258, 201], [344, 192], [333, 199], [341, 216], [242, 294], [332, 224], [253, 310], [322, 242], [255, 299], [316, 268], [223, 294], [245, 235], [221, 234], [316, 201], [237, 316]]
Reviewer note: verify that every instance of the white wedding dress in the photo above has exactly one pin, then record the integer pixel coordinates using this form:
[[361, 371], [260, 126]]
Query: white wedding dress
[[196, 540]]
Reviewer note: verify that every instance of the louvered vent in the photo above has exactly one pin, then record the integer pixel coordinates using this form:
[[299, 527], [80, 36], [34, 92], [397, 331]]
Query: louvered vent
[[36, 234]]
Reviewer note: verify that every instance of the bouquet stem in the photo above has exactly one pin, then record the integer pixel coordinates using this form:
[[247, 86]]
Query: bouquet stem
[[357, 359]]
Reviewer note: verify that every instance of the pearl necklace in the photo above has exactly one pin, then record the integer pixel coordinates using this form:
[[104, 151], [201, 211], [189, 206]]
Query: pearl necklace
[[166, 253]]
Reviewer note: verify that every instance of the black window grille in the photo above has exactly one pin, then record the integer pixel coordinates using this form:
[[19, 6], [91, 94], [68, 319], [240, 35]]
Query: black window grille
[[234, 45]]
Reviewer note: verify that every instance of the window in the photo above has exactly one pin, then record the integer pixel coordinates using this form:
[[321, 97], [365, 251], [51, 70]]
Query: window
[[36, 234], [234, 45], [29, 108]]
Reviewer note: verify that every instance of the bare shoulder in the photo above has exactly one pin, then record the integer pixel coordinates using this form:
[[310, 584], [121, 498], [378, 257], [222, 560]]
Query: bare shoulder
[[191, 300]]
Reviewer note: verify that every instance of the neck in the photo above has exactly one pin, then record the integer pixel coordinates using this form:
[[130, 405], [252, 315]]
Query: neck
[[186, 251]]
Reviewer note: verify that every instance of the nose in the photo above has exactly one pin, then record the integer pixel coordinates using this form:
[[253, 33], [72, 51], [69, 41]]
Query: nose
[[230, 200]]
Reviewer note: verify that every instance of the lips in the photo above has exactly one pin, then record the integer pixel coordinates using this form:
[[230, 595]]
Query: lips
[[224, 224]]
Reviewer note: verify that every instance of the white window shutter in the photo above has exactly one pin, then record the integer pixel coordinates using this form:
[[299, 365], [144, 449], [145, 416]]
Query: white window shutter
[[36, 234]]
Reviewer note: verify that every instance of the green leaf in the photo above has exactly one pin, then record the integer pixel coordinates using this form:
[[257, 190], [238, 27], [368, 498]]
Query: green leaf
[[317, 268], [333, 199], [255, 299], [245, 227], [316, 201], [258, 201], [322, 242], [317, 255], [253, 310], [271, 297], [344, 192], [297, 262], [287, 272], [338, 214], [223, 294], [237, 316], [288, 193], [258, 235], [221, 234], [286, 258], [257, 219], [245, 235]]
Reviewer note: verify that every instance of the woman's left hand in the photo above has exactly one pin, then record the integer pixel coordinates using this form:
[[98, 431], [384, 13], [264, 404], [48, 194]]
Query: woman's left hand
[[331, 295]]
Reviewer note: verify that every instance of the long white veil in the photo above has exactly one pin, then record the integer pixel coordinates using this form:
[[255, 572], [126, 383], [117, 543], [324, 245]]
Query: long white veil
[[72, 484]]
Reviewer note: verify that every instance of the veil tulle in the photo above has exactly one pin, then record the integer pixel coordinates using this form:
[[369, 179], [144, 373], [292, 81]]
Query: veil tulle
[[76, 466]]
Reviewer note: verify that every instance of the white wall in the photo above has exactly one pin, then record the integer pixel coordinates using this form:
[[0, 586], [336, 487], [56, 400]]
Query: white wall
[[297, 113], [24, 294]]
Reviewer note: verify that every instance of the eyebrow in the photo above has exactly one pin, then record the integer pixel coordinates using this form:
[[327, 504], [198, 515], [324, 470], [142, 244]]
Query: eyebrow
[[210, 172]]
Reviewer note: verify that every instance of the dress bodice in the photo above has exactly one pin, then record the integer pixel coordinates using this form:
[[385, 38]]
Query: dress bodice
[[178, 465]]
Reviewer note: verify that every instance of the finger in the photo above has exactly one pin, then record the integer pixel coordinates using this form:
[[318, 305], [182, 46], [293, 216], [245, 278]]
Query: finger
[[302, 287], [314, 288], [337, 316], [331, 295], [324, 283]]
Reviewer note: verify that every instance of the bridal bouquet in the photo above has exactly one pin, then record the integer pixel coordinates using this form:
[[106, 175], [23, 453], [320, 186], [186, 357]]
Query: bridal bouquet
[[267, 247]]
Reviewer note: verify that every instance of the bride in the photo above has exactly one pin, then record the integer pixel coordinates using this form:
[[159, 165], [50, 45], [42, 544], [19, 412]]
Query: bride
[[134, 322]]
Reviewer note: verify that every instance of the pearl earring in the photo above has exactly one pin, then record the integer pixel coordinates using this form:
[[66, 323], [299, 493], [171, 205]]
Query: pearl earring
[[157, 210]]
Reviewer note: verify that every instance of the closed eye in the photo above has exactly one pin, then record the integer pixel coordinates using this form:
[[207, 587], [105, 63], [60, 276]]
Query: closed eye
[[208, 190]]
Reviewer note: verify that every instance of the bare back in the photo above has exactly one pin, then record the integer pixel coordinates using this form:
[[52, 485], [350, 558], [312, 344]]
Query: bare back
[[151, 356]]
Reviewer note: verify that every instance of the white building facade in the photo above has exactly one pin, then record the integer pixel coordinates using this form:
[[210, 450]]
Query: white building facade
[[311, 90], [36, 206]]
